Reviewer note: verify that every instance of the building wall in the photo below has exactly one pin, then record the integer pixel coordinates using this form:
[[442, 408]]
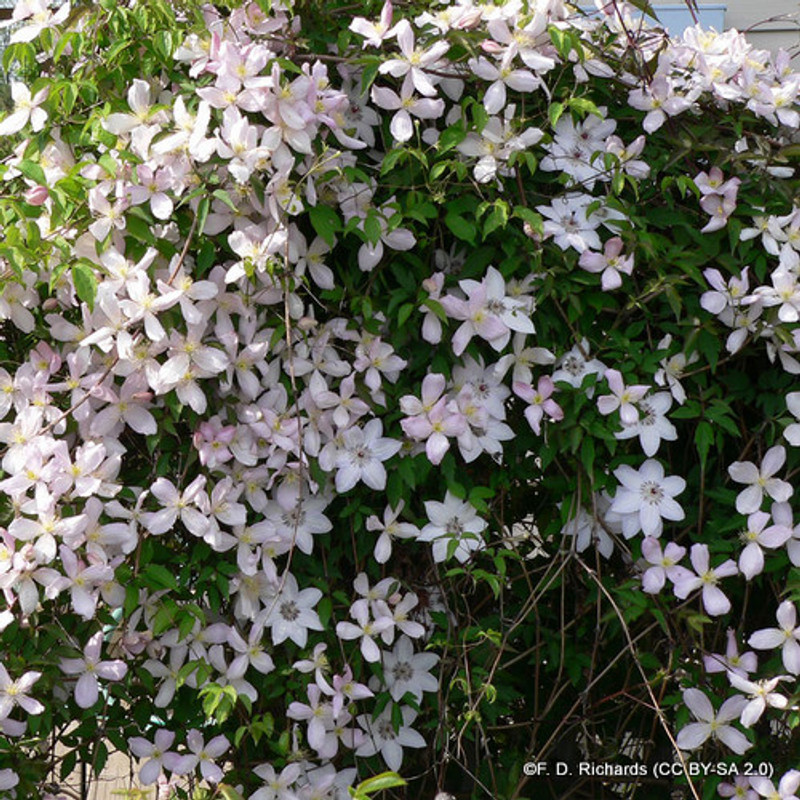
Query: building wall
[[769, 24]]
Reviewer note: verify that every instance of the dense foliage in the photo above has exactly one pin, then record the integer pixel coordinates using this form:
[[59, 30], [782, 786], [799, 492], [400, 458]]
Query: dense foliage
[[408, 393]]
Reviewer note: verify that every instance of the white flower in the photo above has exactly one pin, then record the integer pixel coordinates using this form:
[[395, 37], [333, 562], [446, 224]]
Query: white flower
[[714, 600], [453, 520], [732, 662], [291, 614], [787, 786], [390, 529], [26, 107], [384, 739], [366, 628], [645, 497], [361, 456], [156, 754], [406, 671], [786, 637], [751, 560], [89, 668], [760, 480], [568, 223], [15, 693], [761, 696], [575, 365], [712, 725], [652, 425]]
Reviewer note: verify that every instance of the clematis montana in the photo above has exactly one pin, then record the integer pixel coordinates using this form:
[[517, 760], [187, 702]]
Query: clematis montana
[[646, 497], [90, 668]]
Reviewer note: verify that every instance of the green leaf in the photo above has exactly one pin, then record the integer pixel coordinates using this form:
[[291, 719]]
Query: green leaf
[[703, 438], [228, 792], [404, 313], [378, 783], [33, 171], [372, 227], [460, 227], [203, 207], [222, 195], [159, 577], [325, 222], [584, 106], [85, 282], [554, 113], [450, 138]]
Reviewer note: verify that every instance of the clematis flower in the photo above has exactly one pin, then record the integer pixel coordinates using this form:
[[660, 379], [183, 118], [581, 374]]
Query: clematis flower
[[375, 33], [714, 600], [652, 425], [540, 402], [711, 725], [663, 565], [645, 497], [26, 109], [384, 739], [413, 61], [434, 419], [157, 754], [89, 668], [622, 397], [456, 521], [760, 480], [761, 696], [756, 536], [610, 262], [15, 693], [364, 450], [787, 637], [407, 671], [390, 529], [786, 790], [290, 615], [204, 755], [406, 106], [732, 661]]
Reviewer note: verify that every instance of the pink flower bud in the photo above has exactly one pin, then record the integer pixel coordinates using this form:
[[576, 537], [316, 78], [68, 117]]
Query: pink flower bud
[[37, 195]]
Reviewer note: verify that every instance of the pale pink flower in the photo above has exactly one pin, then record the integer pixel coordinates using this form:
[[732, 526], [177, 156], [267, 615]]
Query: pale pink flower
[[413, 61], [711, 725], [540, 402], [360, 459], [610, 262], [623, 398], [89, 668], [761, 696], [645, 496], [434, 419], [787, 637], [732, 661], [374, 33], [15, 693], [714, 600], [157, 754], [663, 565], [760, 480], [406, 106]]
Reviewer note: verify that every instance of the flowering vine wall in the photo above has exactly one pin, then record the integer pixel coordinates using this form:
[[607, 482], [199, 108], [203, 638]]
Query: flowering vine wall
[[394, 401]]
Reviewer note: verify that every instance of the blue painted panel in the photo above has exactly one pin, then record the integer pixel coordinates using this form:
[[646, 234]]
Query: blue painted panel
[[676, 18]]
